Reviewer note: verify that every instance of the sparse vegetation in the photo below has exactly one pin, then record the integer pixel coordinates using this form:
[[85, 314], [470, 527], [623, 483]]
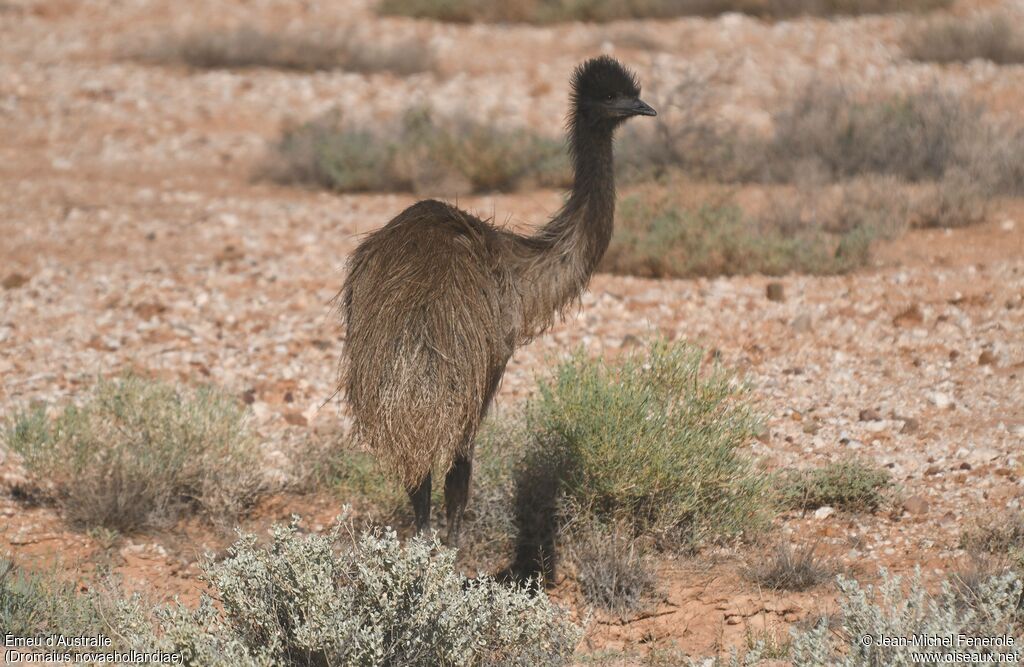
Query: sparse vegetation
[[138, 451], [419, 153], [377, 602], [852, 486], [992, 36], [306, 51], [659, 234], [551, 11], [827, 134], [652, 440], [33, 604], [896, 610], [789, 569]]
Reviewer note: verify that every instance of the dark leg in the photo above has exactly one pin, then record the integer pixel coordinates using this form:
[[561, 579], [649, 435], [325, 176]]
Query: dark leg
[[420, 497], [456, 494]]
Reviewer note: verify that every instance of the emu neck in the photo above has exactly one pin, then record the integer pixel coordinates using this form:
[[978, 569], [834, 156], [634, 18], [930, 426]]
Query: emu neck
[[567, 249]]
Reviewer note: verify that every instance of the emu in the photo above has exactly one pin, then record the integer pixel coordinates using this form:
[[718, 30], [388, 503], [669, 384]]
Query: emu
[[436, 301]]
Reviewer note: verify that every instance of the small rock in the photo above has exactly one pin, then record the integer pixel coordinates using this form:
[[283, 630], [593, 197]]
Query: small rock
[[775, 292], [824, 512], [869, 415], [910, 425], [987, 358], [802, 323], [812, 426], [909, 317], [932, 470], [940, 400], [916, 505], [14, 280], [296, 419]]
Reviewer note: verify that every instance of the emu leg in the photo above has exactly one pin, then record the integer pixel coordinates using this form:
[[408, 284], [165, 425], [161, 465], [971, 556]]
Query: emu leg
[[456, 494], [420, 497]]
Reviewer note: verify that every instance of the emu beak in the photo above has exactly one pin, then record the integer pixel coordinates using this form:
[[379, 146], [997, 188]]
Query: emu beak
[[641, 108]]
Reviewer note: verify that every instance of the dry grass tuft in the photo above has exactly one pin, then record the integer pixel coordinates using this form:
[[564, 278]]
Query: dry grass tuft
[[613, 571], [312, 50], [789, 569]]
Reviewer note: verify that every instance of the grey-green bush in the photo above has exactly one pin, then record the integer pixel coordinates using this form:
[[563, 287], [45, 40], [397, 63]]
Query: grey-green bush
[[654, 440], [418, 152], [138, 451], [893, 610], [298, 601]]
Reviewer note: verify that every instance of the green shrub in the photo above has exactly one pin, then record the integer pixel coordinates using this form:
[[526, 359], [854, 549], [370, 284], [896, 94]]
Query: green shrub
[[991, 36], [550, 11], [853, 486], [418, 153], [138, 451], [33, 605], [297, 602], [306, 51], [892, 610], [651, 440]]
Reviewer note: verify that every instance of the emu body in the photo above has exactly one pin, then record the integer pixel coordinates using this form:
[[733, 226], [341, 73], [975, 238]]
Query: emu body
[[437, 300]]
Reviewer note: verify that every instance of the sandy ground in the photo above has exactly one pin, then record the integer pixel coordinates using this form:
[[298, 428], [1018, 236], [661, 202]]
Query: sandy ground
[[132, 234]]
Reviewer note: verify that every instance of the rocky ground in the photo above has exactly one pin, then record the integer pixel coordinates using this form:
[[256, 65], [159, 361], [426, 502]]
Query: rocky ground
[[133, 234]]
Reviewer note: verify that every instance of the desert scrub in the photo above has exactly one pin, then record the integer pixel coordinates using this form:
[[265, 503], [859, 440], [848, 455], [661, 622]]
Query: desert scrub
[[418, 152], [660, 233], [926, 136], [852, 486], [300, 601], [550, 11], [893, 609], [35, 604], [653, 440], [306, 51], [612, 567], [992, 36], [138, 451]]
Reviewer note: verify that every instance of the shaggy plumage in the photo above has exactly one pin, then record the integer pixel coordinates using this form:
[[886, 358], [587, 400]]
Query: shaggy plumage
[[437, 300]]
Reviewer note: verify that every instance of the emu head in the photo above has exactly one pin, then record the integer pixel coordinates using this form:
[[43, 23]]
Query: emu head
[[606, 93]]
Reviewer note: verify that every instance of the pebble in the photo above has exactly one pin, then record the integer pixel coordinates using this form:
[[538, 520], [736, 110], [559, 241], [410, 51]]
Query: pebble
[[916, 505]]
